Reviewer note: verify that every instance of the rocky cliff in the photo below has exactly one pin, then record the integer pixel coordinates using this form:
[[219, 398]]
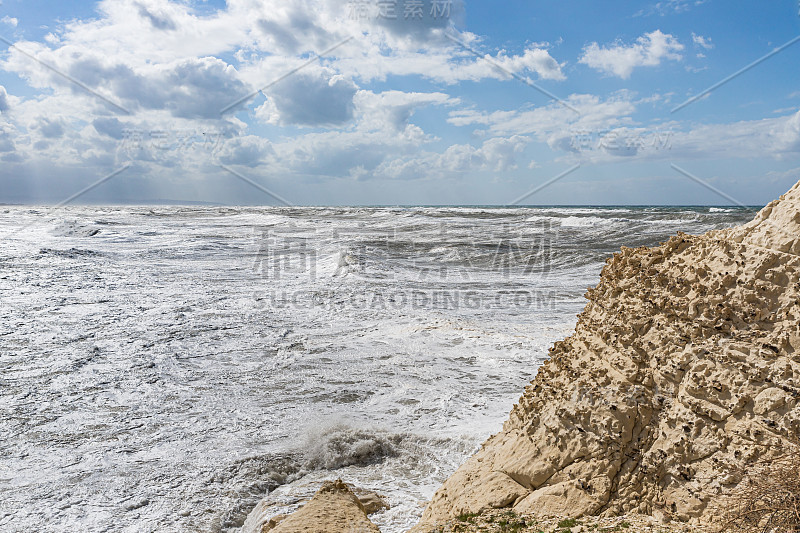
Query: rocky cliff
[[333, 509], [683, 365]]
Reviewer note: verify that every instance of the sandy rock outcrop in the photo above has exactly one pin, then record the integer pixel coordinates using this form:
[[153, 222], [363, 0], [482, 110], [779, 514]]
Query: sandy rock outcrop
[[333, 509], [683, 364]]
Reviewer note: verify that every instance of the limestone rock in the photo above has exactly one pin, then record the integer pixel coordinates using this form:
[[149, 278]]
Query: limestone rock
[[333, 509], [273, 522], [684, 363], [371, 501]]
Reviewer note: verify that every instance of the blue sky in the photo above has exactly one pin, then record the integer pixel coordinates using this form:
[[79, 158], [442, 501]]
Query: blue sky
[[460, 102]]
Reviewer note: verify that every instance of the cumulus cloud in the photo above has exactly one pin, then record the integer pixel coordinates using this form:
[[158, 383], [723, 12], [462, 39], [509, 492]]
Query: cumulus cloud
[[382, 131], [50, 128], [4, 106], [250, 151], [609, 128], [391, 110], [450, 63], [110, 126], [777, 138], [296, 27], [161, 55], [157, 17], [175, 68], [535, 60], [495, 155], [6, 139], [553, 123], [11, 21], [620, 59], [315, 99], [418, 23], [188, 88], [702, 42]]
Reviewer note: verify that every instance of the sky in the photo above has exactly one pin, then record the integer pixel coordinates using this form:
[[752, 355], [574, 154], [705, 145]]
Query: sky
[[399, 102]]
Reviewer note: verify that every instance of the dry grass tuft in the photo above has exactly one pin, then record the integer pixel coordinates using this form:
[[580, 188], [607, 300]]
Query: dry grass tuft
[[767, 500]]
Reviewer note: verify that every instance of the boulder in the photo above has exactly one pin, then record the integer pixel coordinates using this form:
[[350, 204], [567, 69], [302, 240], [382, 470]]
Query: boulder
[[333, 509]]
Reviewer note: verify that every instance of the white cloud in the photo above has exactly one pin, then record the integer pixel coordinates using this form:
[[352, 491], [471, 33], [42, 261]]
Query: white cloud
[[554, 123], [162, 55], [381, 132], [337, 154], [50, 128], [193, 87], [250, 151], [605, 130], [495, 155], [391, 111], [535, 60], [175, 67], [668, 7], [112, 127], [157, 14], [777, 138], [310, 98], [702, 42], [11, 21], [620, 59], [4, 105], [7, 139], [368, 60]]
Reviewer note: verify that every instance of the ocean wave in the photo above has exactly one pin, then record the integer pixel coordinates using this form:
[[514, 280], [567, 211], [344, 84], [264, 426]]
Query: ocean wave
[[72, 253], [323, 449], [582, 222], [367, 458], [341, 445], [73, 228]]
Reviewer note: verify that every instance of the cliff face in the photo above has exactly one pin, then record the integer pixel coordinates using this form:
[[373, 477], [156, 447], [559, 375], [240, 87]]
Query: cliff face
[[684, 363]]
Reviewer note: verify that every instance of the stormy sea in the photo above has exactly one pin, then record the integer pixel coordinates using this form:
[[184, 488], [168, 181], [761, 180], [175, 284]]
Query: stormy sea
[[168, 368]]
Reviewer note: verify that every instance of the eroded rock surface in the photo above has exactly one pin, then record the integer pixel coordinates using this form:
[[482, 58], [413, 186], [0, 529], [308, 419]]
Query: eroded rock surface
[[684, 363], [333, 509]]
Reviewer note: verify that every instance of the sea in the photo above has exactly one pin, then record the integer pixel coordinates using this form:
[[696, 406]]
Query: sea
[[193, 369]]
